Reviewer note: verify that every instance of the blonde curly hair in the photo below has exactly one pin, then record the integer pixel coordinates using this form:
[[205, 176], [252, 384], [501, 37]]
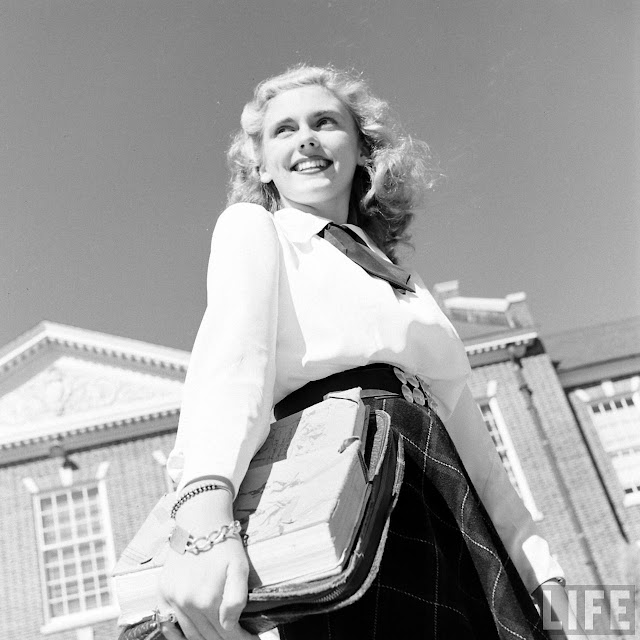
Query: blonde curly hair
[[385, 192]]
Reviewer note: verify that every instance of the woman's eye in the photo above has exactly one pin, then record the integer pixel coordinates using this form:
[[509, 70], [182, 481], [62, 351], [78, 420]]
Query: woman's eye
[[325, 121], [285, 128]]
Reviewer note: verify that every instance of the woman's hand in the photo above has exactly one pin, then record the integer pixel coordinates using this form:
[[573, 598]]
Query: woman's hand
[[552, 603], [207, 591]]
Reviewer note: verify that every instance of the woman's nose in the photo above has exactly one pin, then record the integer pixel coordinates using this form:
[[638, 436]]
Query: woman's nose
[[307, 139]]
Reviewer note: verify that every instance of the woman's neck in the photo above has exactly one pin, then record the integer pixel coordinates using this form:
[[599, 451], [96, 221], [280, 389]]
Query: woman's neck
[[337, 212]]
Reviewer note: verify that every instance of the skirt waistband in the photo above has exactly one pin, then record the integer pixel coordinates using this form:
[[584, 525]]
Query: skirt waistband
[[379, 375]]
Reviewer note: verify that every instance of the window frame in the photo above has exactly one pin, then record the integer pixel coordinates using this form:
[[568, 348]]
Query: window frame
[[85, 617], [603, 400], [523, 489]]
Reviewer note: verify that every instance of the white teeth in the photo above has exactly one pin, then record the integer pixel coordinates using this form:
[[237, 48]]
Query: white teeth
[[311, 164]]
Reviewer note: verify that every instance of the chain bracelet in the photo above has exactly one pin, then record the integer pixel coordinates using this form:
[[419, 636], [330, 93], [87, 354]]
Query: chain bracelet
[[199, 488], [205, 543]]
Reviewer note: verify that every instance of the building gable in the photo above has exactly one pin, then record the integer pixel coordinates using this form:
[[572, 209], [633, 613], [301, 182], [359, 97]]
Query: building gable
[[56, 381]]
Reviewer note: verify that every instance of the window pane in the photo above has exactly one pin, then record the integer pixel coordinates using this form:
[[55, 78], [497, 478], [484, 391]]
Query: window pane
[[55, 591], [47, 521], [82, 531], [65, 534], [72, 588], [74, 605], [105, 598], [61, 500], [89, 584], [77, 495], [56, 609], [49, 537], [69, 570], [92, 492], [45, 504], [53, 573], [84, 550], [92, 602], [50, 556], [87, 566]]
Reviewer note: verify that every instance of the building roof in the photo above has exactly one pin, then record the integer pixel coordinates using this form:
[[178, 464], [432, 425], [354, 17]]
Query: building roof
[[486, 324], [595, 344]]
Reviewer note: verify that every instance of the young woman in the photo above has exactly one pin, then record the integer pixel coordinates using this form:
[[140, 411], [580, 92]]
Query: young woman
[[289, 317]]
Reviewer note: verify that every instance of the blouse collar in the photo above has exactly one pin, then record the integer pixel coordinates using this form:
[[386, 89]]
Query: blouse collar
[[300, 226]]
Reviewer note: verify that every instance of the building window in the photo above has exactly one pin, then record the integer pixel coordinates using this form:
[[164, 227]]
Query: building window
[[617, 422], [502, 440], [76, 550]]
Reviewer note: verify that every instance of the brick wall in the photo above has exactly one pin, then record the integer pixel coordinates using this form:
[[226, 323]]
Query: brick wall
[[134, 482], [586, 492]]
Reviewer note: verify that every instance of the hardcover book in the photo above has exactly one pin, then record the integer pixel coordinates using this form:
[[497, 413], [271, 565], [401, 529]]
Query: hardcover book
[[299, 504]]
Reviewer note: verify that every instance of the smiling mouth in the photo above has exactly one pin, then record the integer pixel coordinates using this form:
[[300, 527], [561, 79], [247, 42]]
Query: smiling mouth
[[311, 165]]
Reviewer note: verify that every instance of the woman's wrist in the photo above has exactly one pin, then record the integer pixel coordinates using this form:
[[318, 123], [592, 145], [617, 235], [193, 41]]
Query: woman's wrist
[[210, 478], [205, 512]]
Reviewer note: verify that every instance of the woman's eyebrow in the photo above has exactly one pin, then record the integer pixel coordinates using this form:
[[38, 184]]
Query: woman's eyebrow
[[325, 112], [279, 123]]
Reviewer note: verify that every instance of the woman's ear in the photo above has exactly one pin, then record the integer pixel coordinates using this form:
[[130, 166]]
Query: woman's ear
[[363, 158]]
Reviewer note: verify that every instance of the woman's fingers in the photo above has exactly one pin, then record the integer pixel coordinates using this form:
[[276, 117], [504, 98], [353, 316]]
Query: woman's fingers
[[171, 632], [198, 628], [234, 597]]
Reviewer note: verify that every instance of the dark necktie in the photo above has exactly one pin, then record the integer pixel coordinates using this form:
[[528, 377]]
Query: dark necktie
[[353, 246]]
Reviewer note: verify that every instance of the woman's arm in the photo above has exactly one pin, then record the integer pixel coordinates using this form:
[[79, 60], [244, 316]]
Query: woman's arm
[[228, 392], [528, 550], [225, 414]]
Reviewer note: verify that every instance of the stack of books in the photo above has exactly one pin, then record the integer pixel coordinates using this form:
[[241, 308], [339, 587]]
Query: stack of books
[[299, 504]]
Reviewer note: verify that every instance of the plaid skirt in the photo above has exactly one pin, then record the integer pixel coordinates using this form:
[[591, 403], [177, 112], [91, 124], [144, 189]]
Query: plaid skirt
[[445, 572]]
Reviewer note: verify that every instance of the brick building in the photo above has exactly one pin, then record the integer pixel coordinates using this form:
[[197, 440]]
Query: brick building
[[87, 419]]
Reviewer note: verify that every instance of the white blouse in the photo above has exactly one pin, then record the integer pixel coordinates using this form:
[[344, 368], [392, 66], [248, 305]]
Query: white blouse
[[286, 307]]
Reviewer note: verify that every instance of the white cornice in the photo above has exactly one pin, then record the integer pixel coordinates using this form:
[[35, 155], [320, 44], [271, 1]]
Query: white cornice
[[91, 342], [460, 303], [501, 343], [89, 424]]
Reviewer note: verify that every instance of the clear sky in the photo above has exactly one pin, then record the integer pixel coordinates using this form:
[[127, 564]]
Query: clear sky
[[115, 117]]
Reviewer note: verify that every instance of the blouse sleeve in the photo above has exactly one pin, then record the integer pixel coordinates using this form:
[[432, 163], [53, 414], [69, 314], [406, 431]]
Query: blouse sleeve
[[228, 391], [528, 550]]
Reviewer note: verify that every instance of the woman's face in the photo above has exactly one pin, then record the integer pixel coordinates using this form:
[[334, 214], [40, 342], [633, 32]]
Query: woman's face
[[310, 151]]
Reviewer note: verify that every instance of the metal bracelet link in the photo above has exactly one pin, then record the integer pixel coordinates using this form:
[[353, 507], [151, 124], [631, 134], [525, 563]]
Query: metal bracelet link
[[205, 543]]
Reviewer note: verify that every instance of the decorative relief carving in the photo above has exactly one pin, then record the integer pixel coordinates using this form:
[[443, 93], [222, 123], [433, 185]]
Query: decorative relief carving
[[72, 386]]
